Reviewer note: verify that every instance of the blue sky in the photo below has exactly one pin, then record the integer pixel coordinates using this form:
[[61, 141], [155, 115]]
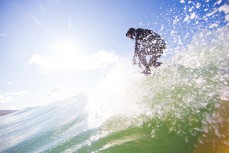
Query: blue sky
[[52, 49]]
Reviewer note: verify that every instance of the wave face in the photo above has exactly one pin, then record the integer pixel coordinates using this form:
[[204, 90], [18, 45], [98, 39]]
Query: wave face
[[180, 108]]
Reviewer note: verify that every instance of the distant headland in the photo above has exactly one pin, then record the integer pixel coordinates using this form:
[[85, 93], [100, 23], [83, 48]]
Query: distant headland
[[6, 112]]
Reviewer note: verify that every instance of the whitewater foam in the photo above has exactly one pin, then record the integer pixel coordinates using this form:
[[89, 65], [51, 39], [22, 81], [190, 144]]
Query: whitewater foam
[[119, 93], [192, 81]]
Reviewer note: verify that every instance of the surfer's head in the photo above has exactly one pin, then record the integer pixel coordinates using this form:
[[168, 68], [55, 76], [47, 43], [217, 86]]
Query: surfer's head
[[131, 33]]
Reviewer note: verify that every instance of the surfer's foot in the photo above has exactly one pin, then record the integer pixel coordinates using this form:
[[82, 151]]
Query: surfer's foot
[[146, 71], [156, 64]]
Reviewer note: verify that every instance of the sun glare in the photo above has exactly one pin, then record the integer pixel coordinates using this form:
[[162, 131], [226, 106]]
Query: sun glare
[[65, 48]]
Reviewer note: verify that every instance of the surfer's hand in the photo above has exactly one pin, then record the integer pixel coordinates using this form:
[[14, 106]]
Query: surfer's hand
[[134, 60]]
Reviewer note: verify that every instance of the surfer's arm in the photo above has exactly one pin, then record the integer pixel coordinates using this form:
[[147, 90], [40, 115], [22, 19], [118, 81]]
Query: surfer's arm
[[136, 53], [137, 48]]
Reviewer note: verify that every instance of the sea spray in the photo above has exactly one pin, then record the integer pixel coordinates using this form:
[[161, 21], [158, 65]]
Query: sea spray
[[181, 107], [178, 98]]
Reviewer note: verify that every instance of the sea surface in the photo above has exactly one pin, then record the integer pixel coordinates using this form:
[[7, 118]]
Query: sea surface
[[181, 108]]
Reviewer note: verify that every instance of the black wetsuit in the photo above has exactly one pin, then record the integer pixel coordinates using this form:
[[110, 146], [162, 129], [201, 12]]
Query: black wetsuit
[[150, 43]]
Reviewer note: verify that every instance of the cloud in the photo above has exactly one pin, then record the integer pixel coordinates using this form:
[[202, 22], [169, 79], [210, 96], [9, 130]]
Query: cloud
[[4, 99], [11, 96], [70, 60]]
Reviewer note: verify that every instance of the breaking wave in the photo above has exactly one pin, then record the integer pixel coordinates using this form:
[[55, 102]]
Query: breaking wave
[[181, 107]]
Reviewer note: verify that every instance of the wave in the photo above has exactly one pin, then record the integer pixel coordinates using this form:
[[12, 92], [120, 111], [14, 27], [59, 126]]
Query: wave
[[179, 108]]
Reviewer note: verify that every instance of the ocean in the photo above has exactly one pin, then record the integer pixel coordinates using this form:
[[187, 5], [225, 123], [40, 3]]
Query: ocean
[[181, 108]]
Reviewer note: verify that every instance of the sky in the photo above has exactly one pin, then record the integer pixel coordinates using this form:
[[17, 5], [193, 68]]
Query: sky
[[53, 49]]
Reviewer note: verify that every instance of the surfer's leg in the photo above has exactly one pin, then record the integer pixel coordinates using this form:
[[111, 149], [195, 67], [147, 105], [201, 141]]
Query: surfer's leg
[[154, 57], [143, 61], [152, 60]]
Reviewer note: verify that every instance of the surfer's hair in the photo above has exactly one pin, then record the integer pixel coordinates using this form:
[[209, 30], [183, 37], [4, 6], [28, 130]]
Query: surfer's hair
[[131, 32]]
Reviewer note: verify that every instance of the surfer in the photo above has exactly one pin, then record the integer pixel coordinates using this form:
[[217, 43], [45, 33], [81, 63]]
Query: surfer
[[147, 44]]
